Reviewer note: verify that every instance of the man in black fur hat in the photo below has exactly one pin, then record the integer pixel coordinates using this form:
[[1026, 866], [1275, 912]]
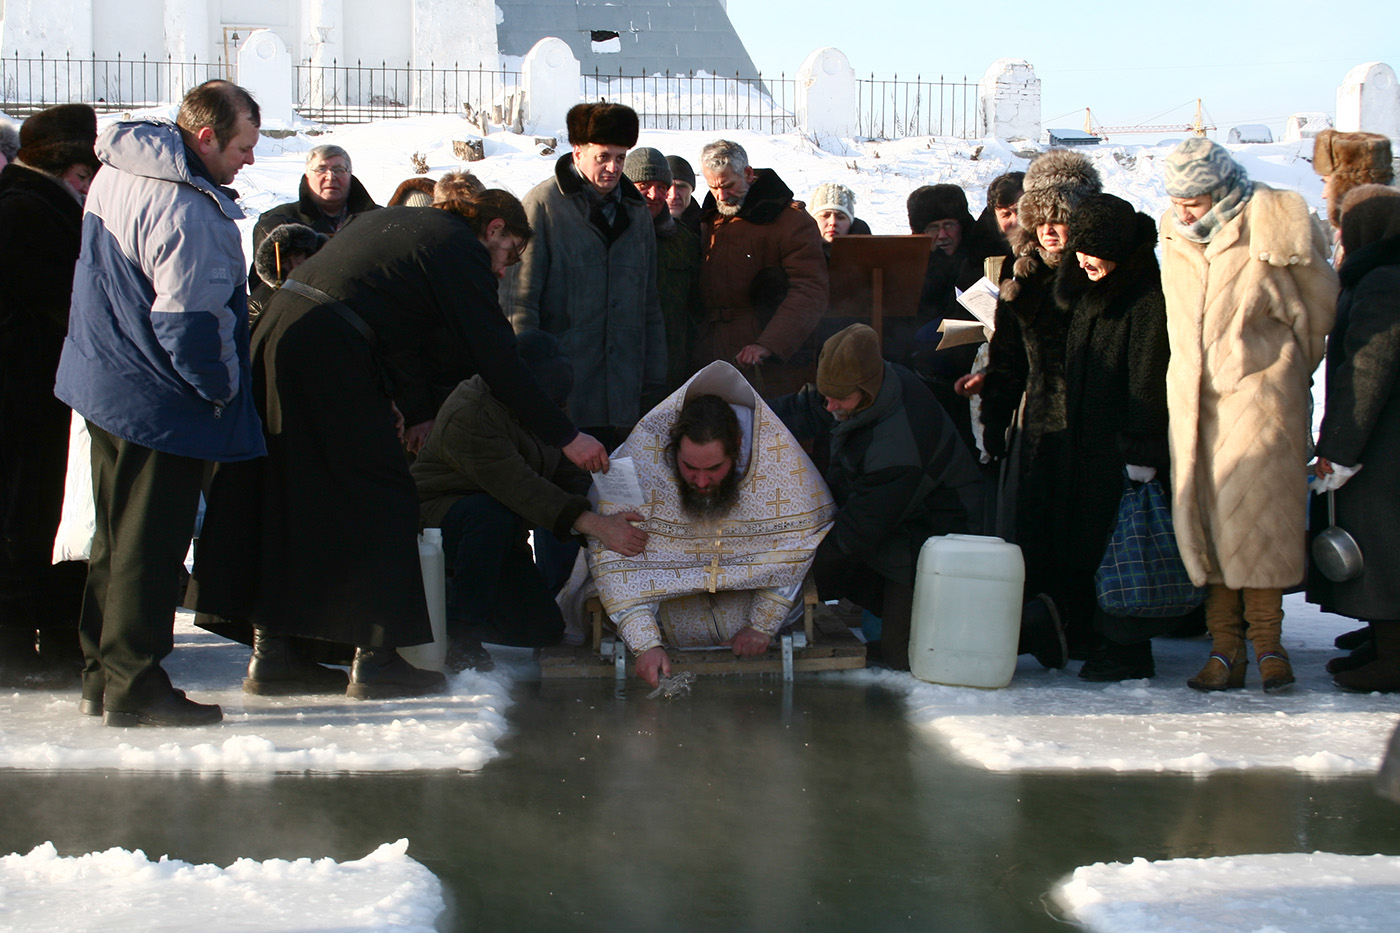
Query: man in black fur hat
[[589, 275]]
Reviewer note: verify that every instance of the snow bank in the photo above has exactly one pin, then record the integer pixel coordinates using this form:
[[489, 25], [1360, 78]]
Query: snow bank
[[1053, 721], [1292, 893], [120, 890], [459, 729]]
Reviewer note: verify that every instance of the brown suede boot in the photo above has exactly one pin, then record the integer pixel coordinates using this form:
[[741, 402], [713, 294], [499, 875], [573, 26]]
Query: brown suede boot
[[1263, 611], [1228, 660]]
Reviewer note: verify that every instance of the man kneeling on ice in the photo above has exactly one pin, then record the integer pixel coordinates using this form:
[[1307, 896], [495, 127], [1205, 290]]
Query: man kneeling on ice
[[734, 513]]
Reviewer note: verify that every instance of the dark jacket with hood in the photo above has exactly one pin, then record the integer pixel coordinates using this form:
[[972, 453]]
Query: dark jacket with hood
[[763, 281], [593, 286], [897, 470], [304, 210]]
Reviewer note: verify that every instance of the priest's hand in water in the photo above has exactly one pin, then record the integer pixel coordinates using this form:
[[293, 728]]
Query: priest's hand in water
[[587, 453], [615, 531], [749, 642], [653, 664]]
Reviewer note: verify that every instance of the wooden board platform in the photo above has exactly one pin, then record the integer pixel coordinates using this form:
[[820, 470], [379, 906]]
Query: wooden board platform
[[835, 649]]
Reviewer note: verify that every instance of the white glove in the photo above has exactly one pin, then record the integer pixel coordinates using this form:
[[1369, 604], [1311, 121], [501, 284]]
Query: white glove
[[1141, 474], [1336, 479]]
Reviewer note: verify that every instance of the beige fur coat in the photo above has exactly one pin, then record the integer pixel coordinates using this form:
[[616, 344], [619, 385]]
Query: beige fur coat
[[1247, 317]]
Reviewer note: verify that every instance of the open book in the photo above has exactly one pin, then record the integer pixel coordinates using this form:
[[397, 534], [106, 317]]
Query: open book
[[981, 300]]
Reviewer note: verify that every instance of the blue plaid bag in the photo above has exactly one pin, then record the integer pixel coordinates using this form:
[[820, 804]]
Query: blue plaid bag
[[1142, 573]]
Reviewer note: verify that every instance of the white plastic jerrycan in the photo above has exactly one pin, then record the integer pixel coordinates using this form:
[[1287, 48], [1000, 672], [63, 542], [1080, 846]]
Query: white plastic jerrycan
[[967, 611], [433, 655]]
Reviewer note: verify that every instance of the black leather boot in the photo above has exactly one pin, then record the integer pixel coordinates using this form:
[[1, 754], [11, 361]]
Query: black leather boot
[[381, 674], [276, 669]]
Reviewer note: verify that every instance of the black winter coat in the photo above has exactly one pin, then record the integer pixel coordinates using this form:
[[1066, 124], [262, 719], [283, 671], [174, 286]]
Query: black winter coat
[[1116, 356], [897, 470], [305, 211], [1362, 425]]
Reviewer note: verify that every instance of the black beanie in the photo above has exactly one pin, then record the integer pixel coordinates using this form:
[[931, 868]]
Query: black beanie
[[540, 353], [937, 202], [681, 170], [1107, 227]]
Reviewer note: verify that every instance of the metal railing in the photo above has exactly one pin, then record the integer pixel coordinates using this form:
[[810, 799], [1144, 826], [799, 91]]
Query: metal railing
[[893, 109], [28, 85], [359, 93]]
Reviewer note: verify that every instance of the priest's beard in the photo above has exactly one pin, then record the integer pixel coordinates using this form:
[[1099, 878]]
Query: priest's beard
[[712, 502]]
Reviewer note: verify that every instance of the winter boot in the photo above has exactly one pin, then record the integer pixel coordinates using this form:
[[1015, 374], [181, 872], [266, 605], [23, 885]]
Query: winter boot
[[1043, 634], [1224, 669], [894, 628], [276, 669], [1362, 645], [464, 653], [381, 674], [1383, 674], [1117, 662], [1263, 613]]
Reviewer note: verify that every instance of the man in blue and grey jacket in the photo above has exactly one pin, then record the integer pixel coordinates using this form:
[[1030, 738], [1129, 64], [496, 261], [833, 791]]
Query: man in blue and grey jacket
[[156, 361]]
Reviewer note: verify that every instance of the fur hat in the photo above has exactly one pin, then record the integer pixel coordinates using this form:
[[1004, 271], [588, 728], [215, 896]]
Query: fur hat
[[1369, 213], [602, 123], [831, 196], [9, 140], [285, 239], [681, 170], [1055, 182], [937, 202], [851, 360], [413, 192], [1107, 227], [647, 164], [61, 136], [540, 353], [1350, 159]]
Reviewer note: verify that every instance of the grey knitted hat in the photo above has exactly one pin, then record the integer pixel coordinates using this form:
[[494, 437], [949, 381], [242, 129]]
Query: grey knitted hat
[[1200, 166], [831, 196], [647, 164]]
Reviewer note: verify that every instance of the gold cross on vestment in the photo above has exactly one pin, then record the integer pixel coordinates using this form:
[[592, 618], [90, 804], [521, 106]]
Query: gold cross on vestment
[[654, 591], [800, 472], [778, 447], [778, 503], [654, 501], [713, 571], [656, 448]]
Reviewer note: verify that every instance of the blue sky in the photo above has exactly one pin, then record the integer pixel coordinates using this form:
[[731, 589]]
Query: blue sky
[[1251, 62]]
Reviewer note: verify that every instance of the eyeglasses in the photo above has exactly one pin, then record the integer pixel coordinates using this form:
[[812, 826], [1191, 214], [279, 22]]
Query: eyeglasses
[[942, 226], [335, 170]]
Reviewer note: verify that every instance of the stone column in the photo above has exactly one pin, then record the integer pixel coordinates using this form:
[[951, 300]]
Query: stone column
[[1008, 101], [826, 95], [323, 24]]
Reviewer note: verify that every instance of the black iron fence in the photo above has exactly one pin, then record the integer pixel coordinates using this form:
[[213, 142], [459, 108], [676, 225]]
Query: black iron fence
[[359, 93]]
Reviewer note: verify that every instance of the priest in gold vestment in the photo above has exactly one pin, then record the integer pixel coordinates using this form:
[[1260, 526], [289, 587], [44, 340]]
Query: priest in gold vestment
[[734, 511]]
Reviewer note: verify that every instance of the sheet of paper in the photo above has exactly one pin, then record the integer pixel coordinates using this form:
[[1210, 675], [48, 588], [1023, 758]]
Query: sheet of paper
[[960, 333], [981, 299], [619, 485]]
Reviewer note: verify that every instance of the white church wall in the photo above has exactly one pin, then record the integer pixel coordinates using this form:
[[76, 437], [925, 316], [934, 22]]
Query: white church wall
[[377, 31], [134, 28]]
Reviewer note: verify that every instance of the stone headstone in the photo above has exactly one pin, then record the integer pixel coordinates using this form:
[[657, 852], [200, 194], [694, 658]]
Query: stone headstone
[[265, 70], [1306, 125], [550, 75], [1369, 100], [826, 95], [1008, 101]]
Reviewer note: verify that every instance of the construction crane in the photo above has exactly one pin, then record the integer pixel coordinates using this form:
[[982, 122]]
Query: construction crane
[[1199, 126]]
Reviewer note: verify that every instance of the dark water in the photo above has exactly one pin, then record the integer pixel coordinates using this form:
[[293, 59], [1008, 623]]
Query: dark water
[[737, 808]]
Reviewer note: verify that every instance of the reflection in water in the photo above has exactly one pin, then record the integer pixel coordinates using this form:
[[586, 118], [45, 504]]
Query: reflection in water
[[745, 806]]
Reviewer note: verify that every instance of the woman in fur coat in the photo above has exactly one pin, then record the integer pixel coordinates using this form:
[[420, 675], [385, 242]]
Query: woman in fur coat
[[1362, 427], [1250, 300], [1110, 290], [1027, 357]]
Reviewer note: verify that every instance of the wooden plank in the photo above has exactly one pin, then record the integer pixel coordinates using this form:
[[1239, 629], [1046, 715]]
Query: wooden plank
[[581, 662]]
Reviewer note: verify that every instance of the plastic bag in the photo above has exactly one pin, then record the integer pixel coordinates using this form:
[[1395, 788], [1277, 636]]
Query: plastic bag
[[1142, 573]]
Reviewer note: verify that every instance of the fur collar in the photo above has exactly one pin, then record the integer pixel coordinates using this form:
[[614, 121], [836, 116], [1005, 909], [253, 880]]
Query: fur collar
[[768, 197], [1368, 258], [1133, 276]]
